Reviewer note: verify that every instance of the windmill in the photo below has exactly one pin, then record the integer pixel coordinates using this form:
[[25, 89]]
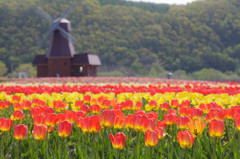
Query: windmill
[[60, 59], [61, 43]]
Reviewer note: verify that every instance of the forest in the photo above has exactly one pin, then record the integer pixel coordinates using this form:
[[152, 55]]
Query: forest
[[131, 39]]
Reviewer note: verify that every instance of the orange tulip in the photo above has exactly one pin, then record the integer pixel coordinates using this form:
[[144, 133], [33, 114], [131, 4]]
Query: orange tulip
[[161, 124], [16, 99], [18, 115], [95, 109], [89, 124], [64, 128], [183, 122], [119, 122], [216, 128], [215, 114], [183, 111], [160, 132], [197, 126], [105, 104], [17, 106], [129, 121], [47, 110], [170, 119], [20, 132], [174, 103], [237, 121], [36, 111], [164, 106], [50, 120], [5, 124], [107, 118], [229, 114], [140, 123], [151, 138], [40, 132], [70, 116], [27, 105], [185, 139], [118, 141]]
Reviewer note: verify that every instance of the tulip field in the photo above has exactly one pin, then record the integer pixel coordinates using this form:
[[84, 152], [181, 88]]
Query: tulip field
[[119, 118]]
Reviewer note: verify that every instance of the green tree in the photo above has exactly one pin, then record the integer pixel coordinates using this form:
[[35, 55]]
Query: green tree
[[28, 67], [3, 69]]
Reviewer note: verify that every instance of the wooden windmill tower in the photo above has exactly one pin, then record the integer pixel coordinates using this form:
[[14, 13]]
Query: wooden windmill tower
[[60, 59]]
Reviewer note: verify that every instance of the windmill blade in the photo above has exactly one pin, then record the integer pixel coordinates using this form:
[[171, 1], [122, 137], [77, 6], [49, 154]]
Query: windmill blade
[[67, 35], [64, 15], [45, 38], [44, 14]]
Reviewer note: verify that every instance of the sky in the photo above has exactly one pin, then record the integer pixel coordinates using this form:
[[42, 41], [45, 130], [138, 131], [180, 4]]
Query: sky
[[180, 2]]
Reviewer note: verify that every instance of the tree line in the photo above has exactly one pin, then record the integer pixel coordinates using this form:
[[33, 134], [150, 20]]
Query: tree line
[[133, 38]]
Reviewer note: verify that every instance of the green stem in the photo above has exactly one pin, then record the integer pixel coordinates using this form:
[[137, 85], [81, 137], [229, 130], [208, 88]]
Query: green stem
[[60, 149], [46, 146], [65, 148], [117, 154], [128, 144], [214, 148], [186, 155], [17, 149], [151, 152], [93, 146], [195, 149], [37, 149], [137, 150], [238, 144], [103, 141], [2, 146]]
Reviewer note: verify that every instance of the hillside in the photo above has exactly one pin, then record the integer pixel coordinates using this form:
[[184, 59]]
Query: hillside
[[132, 37]]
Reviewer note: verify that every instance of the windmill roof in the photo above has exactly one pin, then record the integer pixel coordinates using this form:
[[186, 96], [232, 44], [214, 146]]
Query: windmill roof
[[63, 20], [40, 59], [86, 58]]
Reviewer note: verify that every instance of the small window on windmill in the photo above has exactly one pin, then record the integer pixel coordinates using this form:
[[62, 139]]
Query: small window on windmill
[[56, 60], [80, 69], [65, 63]]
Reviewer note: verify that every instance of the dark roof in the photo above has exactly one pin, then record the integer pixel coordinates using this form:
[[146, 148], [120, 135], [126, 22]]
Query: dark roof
[[86, 58], [40, 59]]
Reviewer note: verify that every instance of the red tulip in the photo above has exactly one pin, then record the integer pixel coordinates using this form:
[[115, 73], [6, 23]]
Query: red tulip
[[18, 115], [85, 109], [216, 128], [38, 119], [185, 139], [196, 113], [64, 128], [215, 114], [27, 105], [39, 132], [118, 141], [20, 132], [151, 138], [161, 124], [237, 121], [138, 105], [5, 124]]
